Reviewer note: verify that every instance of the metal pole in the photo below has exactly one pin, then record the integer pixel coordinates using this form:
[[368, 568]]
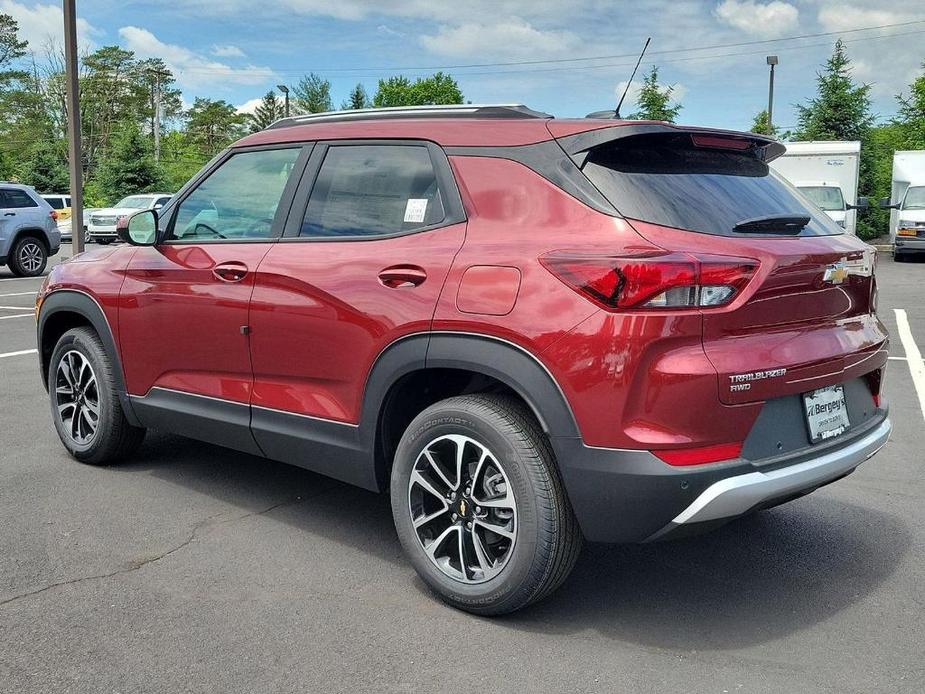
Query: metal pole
[[287, 103], [75, 158], [771, 100], [157, 116]]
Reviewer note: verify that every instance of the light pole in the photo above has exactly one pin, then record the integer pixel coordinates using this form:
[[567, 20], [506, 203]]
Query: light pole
[[772, 61], [285, 90]]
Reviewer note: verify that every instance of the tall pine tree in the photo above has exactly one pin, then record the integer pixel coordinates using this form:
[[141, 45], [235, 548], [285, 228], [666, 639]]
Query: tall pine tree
[[270, 110]]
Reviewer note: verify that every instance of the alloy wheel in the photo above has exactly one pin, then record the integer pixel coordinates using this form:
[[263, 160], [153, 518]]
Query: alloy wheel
[[77, 397], [31, 257], [462, 508]]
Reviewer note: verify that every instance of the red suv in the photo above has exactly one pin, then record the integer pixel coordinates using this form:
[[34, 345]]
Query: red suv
[[531, 331]]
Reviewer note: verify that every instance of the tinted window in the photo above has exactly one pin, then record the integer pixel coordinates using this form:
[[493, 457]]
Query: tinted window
[[160, 202], [373, 190], [667, 180], [13, 198], [56, 203], [238, 200]]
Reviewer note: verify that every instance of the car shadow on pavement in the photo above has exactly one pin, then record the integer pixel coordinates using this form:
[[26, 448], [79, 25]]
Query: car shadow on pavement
[[315, 504], [754, 580]]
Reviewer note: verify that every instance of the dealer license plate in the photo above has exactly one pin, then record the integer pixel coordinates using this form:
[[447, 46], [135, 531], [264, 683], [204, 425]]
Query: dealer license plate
[[826, 413]]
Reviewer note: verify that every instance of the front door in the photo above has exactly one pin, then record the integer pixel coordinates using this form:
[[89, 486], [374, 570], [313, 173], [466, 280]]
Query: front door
[[184, 314]]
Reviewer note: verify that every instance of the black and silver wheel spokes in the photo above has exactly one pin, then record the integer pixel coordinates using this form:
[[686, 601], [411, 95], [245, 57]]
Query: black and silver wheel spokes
[[462, 508], [77, 397], [30, 256]]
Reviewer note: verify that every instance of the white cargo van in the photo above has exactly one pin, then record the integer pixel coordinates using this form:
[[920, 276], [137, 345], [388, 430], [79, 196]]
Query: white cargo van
[[826, 173], [907, 202]]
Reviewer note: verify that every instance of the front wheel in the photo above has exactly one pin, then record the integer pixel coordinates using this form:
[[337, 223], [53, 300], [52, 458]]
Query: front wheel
[[29, 257], [85, 404], [479, 506]]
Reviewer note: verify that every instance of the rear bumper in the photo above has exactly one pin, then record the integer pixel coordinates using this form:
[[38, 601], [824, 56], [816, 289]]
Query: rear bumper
[[632, 496]]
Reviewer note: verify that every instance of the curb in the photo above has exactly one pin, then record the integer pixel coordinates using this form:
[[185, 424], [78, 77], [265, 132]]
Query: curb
[[883, 247]]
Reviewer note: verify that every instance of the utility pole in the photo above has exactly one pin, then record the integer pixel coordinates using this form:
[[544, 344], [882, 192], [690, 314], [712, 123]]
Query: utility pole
[[156, 126], [772, 61], [75, 158]]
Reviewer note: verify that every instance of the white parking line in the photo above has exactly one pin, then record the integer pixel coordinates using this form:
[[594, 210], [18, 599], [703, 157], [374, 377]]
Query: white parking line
[[913, 355], [14, 308], [20, 353], [21, 279], [20, 294], [21, 315]]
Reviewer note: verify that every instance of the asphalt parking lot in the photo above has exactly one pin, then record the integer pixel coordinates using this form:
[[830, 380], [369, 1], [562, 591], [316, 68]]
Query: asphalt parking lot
[[195, 568]]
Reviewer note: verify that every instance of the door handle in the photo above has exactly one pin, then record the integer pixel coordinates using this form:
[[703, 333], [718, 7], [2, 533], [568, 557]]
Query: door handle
[[399, 276], [10, 214], [230, 272]]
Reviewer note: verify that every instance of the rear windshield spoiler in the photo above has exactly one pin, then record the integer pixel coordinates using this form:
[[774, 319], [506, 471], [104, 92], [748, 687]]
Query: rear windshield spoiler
[[763, 148]]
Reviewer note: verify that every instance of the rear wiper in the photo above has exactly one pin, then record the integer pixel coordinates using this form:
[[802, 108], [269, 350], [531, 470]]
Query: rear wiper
[[773, 224]]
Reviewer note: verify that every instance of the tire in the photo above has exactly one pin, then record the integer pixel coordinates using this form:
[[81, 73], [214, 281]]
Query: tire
[[104, 242], [544, 541], [29, 257], [79, 357], [899, 257]]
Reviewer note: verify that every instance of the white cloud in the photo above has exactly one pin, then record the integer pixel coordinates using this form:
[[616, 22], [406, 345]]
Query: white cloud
[[192, 70], [768, 20], [43, 25], [841, 17], [227, 51], [249, 107], [511, 39]]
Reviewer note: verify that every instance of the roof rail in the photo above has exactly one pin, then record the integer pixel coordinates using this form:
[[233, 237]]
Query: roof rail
[[447, 111]]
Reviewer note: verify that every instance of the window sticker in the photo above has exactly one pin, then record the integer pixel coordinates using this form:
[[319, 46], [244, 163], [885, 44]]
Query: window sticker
[[415, 210]]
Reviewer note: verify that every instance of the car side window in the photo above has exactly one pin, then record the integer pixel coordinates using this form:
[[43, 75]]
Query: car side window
[[17, 199], [160, 202], [238, 200], [56, 203], [373, 190]]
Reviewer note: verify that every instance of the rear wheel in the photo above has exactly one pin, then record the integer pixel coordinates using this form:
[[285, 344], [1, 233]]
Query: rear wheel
[[29, 257], [479, 506], [85, 404], [899, 257]]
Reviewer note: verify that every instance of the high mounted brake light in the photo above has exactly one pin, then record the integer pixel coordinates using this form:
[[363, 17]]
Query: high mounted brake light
[[653, 282]]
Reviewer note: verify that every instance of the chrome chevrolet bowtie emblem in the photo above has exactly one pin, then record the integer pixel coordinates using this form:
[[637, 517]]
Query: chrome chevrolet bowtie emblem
[[836, 273], [462, 507]]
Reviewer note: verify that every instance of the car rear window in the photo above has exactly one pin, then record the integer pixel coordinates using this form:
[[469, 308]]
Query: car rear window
[[670, 181]]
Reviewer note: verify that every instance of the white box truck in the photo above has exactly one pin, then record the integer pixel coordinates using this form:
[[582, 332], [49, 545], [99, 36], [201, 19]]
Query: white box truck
[[907, 204], [827, 174]]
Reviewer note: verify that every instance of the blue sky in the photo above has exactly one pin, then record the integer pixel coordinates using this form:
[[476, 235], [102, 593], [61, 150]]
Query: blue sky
[[238, 49]]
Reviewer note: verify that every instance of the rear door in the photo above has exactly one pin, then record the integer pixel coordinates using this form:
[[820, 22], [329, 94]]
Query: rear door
[[373, 231], [806, 318]]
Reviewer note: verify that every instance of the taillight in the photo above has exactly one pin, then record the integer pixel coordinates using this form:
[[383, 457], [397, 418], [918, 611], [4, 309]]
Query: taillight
[[664, 281], [54, 215], [700, 455]]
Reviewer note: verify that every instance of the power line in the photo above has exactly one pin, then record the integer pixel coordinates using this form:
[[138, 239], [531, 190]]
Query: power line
[[672, 51]]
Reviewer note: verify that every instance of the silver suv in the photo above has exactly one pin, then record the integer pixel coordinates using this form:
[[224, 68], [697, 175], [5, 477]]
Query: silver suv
[[28, 230]]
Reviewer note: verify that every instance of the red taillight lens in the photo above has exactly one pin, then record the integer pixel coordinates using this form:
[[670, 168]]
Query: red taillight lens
[[701, 455], [666, 281], [54, 215]]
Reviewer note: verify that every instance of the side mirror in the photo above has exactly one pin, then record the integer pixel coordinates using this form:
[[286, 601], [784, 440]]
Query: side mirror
[[885, 204], [139, 228], [862, 204]]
